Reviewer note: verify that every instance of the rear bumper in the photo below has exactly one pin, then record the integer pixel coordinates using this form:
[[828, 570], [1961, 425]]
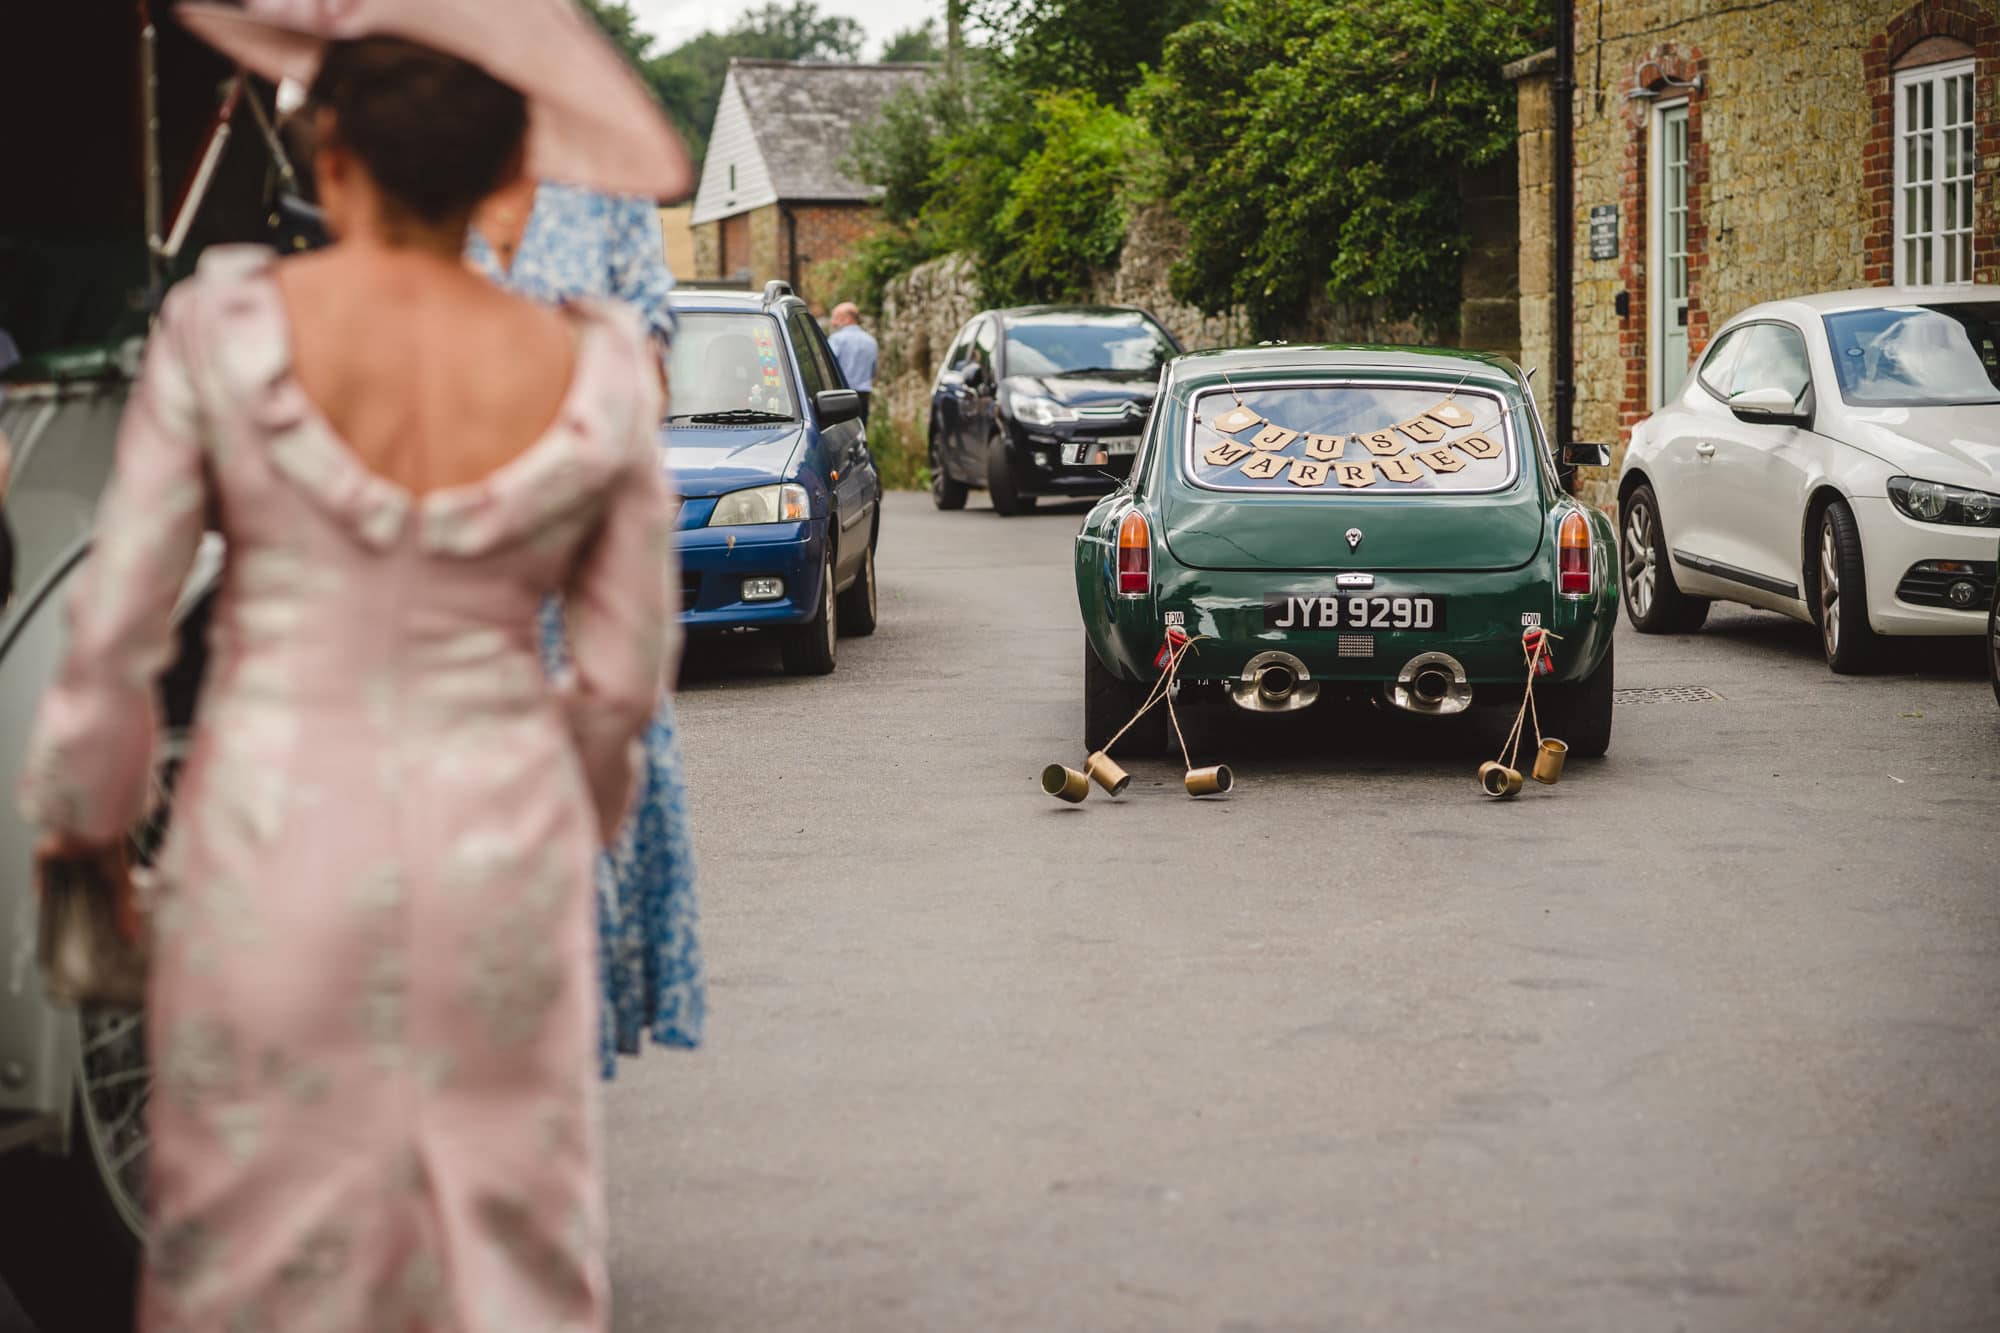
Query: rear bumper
[[716, 561], [1484, 616]]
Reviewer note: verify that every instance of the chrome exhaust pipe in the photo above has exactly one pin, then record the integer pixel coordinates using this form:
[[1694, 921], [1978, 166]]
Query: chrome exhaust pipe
[[1274, 682], [1433, 684]]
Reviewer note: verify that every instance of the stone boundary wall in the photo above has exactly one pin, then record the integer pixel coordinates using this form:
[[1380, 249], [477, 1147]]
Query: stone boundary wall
[[924, 309]]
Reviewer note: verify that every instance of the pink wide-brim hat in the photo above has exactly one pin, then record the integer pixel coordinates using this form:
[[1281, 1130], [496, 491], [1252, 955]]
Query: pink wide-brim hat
[[590, 120]]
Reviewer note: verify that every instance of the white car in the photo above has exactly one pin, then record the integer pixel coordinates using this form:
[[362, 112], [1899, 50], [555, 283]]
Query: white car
[[1835, 458]]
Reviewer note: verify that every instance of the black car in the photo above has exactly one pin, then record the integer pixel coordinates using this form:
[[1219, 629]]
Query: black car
[[1043, 400]]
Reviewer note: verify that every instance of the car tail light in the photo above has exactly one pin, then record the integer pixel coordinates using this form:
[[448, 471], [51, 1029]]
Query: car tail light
[[1135, 556], [1573, 556]]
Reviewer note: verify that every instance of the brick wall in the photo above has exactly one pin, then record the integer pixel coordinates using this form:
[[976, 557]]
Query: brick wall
[[1791, 119], [1972, 24], [827, 234], [1489, 287], [756, 246], [732, 255]]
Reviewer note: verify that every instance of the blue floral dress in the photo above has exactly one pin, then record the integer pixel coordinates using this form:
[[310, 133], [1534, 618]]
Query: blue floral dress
[[580, 243]]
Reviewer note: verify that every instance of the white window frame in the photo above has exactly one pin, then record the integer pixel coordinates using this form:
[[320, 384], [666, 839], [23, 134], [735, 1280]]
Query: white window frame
[[1656, 247], [1944, 228]]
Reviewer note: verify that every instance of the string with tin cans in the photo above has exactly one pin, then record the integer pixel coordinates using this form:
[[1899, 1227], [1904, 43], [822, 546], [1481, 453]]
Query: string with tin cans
[[1068, 784], [1501, 776]]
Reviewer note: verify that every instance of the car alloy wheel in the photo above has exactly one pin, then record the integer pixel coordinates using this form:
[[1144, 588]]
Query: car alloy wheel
[[114, 1083], [1829, 587], [1654, 602], [1840, 602], [1641, 575]]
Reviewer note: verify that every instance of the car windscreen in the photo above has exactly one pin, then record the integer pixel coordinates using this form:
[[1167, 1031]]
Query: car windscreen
[[1078, 343], [1350, 439], [724, 362], [1941, 355]]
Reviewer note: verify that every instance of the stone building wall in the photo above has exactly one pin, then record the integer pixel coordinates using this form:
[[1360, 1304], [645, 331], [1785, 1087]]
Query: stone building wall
[[1489, 309], [1534, 183], [767, 246], [1788, 165], [707, 254]]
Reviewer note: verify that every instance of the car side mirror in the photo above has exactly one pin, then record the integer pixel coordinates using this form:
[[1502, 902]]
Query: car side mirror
[[833, 406], [972, 374], [1771, 407], [1578, 454]]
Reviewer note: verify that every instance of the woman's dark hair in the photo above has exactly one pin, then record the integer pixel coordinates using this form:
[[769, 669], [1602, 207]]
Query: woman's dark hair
[[436, 132]]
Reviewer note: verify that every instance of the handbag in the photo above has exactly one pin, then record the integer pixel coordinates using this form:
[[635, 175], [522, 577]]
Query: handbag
[[90, 943]]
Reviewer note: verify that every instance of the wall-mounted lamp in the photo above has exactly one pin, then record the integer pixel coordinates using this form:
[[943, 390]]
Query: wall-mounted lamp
[[1647, 93]]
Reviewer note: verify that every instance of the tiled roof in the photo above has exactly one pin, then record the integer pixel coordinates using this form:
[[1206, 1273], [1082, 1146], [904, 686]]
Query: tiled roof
[[804, 115]]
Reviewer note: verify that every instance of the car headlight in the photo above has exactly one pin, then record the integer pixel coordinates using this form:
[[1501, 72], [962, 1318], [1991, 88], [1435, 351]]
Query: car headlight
[[1038, 411], [762, 504], [1935, 502]]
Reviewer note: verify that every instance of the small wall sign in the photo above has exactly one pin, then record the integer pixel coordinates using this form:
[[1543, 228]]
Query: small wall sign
[[1604, 231]]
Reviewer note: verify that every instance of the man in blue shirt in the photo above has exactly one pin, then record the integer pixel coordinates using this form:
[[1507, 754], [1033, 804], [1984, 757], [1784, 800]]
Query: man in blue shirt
[[854, 348]]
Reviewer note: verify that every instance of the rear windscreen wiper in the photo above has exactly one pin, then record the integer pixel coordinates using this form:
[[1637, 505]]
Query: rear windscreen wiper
[[731, 416]]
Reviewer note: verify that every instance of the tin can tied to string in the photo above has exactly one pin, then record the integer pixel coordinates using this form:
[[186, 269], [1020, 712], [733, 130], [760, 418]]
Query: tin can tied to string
[[1068, 784], [1065, 783], [1500, 777]]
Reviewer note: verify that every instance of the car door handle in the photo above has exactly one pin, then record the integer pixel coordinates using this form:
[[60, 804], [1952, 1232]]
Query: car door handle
[[1705, 449]]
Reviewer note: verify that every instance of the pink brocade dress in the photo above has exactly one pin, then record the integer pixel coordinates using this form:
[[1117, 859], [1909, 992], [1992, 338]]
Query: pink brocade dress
[[374, 1003]]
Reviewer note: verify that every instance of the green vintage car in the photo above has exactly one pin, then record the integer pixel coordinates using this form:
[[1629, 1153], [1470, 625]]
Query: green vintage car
[[1359, 522]]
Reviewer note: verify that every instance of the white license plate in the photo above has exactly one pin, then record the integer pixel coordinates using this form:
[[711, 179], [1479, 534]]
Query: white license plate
[[1101, 450]]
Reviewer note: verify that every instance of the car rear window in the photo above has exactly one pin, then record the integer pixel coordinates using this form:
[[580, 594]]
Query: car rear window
[[1350, 439]]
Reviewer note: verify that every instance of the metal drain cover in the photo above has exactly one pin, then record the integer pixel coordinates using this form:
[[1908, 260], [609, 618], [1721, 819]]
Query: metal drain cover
[[1665, 694]]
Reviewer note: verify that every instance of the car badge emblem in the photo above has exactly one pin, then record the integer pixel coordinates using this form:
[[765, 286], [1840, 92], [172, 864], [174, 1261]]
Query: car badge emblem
[[1353, 538]]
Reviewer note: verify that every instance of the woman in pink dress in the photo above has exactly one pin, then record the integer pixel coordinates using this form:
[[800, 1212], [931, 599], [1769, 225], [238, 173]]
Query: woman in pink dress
[[373, 1000]]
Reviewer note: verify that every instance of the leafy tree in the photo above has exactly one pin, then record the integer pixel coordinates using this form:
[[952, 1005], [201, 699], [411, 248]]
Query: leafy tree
[[1065, 212], [1034, 187], [914, 45], [1313, 147], [621, 25], [944, 154], [1100, 46]]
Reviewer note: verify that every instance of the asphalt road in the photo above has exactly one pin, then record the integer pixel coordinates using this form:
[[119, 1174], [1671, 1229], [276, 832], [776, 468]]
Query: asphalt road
[[1702, 1038]]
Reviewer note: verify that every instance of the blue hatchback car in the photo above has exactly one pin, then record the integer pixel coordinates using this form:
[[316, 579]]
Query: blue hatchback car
[[781, 505]]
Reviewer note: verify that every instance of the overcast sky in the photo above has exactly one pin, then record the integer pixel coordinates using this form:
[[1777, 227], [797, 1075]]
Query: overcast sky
[[672, 22]]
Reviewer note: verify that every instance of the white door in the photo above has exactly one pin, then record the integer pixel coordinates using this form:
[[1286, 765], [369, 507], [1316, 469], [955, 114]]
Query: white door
[[1684, 464], [1754, 486], [1668, 266]]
